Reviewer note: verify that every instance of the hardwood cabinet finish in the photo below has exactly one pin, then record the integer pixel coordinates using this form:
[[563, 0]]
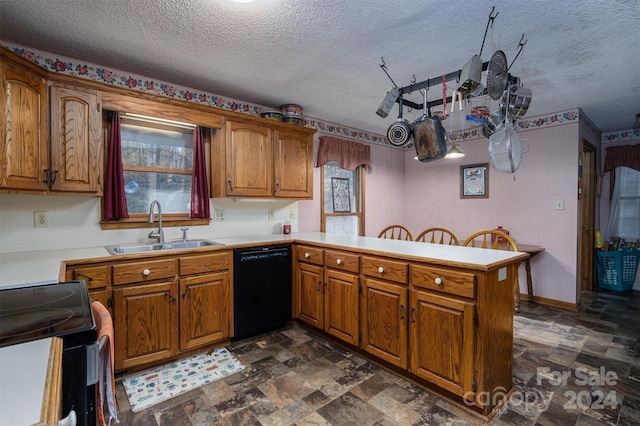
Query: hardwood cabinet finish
[[384, 320], [309, 254], [293, 165], [442, 341], [341, 307], [248, 162], [204, 309], [24, 154], [309, 294], [263, 160], [162, 306], [76, 149], [145, 324]]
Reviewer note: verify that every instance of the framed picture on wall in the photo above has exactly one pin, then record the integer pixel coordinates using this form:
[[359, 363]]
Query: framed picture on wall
[[474, 181], [341, 195]]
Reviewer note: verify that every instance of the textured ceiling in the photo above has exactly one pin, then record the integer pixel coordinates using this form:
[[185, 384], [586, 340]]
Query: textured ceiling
[[325, 54]]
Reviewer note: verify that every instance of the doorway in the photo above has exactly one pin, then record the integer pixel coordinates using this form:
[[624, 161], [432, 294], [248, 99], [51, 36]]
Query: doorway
[[586, 222]]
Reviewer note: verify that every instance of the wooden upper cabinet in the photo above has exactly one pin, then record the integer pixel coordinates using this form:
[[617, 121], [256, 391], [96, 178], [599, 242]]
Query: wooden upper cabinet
[[23, 125], [248, 160], [76, 149], [293, 163], [262, 160]]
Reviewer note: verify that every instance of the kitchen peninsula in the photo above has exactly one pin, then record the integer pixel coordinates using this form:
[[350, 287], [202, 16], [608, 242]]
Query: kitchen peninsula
[[441, 314]]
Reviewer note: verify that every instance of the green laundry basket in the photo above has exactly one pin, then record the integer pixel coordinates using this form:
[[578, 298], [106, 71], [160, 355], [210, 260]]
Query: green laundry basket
[[617, 269]]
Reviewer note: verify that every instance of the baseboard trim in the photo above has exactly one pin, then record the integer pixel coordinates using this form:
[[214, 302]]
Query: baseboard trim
[[551, 302]]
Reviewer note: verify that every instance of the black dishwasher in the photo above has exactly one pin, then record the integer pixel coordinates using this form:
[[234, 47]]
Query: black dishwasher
[[261, 289]]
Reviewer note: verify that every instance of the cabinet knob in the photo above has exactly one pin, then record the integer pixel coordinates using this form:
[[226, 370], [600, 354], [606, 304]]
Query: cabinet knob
[[438, 281], [146, 272], [339, 261], [307, 255], [381, 269]]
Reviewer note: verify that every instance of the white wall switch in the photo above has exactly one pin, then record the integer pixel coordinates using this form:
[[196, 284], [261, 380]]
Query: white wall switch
[[271, 213], [40, 219], [292, 214], [218, 215], [559, 204]]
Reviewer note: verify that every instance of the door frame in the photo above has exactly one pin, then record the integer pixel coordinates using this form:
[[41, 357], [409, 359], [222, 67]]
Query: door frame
[[587, 172]]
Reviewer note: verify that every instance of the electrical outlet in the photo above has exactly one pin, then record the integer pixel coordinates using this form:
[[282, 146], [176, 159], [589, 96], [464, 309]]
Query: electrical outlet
[[292, 214], [218, 215], [559, 204], [271, 213], [40, 219]]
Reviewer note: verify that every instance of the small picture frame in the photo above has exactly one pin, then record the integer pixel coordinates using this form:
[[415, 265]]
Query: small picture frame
[[474, 181], [341, 195]]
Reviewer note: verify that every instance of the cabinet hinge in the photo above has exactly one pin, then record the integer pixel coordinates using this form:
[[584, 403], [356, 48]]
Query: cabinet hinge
[[475, 319], [359, 288], [474, 386], [98, 106], [110, 302], [360, 337]]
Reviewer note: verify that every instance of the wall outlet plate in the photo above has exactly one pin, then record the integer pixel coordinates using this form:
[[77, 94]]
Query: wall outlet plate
[[271, 213], [40, 219], [292, 214], [502, 274], [218, 215], [559, 204]]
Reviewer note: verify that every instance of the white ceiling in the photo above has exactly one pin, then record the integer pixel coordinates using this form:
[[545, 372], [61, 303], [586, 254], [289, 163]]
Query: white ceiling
[[325, 54]]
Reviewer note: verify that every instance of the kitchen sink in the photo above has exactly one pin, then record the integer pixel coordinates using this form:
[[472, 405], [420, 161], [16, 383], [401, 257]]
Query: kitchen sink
[[169, 245]]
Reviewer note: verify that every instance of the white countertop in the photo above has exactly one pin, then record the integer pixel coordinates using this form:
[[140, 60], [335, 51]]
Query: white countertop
[[44, 265], [23, 373]]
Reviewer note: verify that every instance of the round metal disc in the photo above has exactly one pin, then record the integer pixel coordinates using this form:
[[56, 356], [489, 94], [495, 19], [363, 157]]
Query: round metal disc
[[497, 75]]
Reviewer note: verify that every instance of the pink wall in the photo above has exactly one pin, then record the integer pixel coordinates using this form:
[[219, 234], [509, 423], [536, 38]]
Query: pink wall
[[525, 206], [421, 195]]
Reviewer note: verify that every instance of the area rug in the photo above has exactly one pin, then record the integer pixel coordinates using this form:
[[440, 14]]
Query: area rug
[[161, 383]]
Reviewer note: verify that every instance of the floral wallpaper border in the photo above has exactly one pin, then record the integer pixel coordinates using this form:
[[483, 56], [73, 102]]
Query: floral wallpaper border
[[621, 136], [76, 68]]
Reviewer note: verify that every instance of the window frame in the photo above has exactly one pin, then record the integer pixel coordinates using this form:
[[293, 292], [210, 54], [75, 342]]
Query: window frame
[[360, 201], [141, 220]]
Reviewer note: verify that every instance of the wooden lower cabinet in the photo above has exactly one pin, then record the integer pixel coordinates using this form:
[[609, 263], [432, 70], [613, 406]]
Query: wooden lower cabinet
[[204, 309], [384, 321], [341, 307], [145, 323], [309, 295], [442, 341]]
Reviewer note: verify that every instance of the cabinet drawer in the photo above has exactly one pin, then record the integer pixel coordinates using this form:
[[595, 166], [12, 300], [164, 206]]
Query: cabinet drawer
[[309, 255], [342, 260], [204, 263], [127, 273], [445, 280], [386, 269], [95, 276]]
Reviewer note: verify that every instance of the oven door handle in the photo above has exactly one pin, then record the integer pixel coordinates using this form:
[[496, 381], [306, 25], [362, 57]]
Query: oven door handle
[[93, 357]]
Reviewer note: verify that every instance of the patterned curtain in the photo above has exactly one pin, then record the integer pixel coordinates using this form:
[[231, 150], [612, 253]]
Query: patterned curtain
[[199, 185], [115, 201], [349, 155], [623, 155]]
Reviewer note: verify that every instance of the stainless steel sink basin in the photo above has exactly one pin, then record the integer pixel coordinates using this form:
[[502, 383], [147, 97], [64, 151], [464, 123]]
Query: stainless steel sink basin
[[169, 245]]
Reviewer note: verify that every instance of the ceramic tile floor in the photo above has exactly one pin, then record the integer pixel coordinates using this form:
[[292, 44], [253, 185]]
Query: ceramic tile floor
[[294, 377]]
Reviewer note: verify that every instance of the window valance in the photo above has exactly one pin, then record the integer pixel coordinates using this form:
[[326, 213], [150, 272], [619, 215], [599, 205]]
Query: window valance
[[623, 155], [349, 155]]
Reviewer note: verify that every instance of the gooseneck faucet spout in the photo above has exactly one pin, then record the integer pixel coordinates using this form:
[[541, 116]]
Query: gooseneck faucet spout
[[159, 234]]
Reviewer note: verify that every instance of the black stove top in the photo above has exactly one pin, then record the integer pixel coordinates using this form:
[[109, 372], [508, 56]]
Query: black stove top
[[46, 310]]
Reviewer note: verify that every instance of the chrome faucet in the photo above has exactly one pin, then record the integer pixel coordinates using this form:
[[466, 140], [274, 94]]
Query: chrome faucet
[[184, 230], [159, 234]]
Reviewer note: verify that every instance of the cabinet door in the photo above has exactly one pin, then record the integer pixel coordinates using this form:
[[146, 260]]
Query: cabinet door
[[23, 149], [384, 321], [309, 295], [204, 309], [145, 323], [293, 162], [76, 151], [341, 305], [248, 160], [442, 339]]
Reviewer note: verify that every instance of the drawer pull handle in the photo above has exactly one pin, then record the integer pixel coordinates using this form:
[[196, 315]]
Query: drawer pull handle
[[319, 286], [438, 281], [307, 255], [381, 269], [173, 299], [339, 261], [146, 272]]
